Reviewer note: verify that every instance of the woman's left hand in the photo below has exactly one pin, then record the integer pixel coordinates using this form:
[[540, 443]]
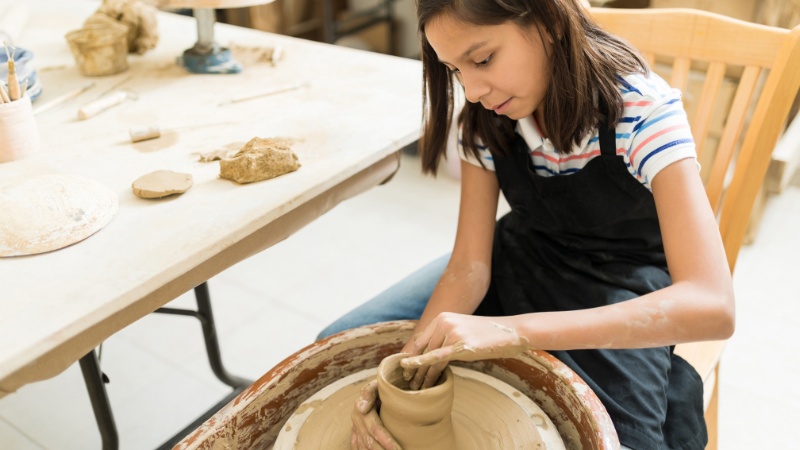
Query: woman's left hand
[[459, 337]]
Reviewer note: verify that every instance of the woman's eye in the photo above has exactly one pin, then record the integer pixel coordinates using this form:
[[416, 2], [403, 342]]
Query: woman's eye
[[484, 62]]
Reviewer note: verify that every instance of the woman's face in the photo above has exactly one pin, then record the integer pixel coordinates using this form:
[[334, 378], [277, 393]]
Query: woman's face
[[504, 67]]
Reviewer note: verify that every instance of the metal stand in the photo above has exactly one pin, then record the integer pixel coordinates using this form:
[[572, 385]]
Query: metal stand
[[207, 56], [94, 377]]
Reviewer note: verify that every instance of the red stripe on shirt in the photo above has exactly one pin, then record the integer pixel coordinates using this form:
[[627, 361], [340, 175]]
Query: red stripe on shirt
[[639, 103], [655, 135]]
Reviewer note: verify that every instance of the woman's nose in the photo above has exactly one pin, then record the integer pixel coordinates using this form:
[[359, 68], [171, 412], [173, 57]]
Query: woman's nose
[[474, 88]]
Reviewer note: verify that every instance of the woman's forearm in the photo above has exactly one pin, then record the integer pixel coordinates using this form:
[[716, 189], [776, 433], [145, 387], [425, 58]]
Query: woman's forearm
[[684, 312], [460, 289]]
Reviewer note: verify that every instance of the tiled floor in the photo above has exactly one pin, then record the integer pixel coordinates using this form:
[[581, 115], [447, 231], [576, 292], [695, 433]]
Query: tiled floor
[[274, 303]]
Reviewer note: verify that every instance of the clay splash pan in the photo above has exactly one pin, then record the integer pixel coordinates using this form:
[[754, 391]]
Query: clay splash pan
[[49, 212], [487, 413]]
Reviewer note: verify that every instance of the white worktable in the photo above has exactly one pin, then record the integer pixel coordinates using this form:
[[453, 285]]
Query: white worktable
[[359, 109]]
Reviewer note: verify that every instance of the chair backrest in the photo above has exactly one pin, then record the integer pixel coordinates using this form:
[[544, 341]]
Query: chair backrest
[[722, 46]]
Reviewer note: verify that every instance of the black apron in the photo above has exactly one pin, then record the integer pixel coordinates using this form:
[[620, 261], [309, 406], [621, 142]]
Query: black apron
[[585, 240]]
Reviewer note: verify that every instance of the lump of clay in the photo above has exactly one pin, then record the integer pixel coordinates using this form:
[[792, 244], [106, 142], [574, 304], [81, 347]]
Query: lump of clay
[[161, 183], [137, 16], [260, 159]]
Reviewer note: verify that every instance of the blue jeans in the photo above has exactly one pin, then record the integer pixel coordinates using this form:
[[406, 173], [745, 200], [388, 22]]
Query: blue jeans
[[404, 301]]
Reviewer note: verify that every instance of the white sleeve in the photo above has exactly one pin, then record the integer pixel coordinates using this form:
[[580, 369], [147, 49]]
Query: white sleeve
[[483, 151], [660, 138]]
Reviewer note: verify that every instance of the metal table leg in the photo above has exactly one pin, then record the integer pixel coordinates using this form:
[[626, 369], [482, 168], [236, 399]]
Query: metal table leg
[[93, 378], [99, 397], [206, 317]]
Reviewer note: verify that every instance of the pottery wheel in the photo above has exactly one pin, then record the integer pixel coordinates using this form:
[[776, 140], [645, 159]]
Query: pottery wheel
[[49, 212], [487, 413]]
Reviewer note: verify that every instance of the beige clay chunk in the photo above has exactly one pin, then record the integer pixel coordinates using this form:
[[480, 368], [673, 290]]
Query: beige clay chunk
[[260, 159], [161, 183]]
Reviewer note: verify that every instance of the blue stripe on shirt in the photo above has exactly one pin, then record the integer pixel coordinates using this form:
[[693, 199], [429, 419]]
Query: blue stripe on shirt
[[553, 172], [647, 123], [659, 149], [479, 146], [628, 86]]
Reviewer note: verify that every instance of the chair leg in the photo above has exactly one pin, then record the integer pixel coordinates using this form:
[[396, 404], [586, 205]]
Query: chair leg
[[711, 415]]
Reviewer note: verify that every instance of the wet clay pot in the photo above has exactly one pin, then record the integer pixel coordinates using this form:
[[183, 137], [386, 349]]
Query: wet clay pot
[[254, 419], [418, 420]]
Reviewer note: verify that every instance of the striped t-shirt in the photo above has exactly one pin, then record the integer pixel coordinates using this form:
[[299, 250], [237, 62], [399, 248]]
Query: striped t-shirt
[[652, 133]]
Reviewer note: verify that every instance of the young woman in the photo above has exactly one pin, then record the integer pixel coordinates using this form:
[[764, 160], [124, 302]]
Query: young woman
[[610, 255]]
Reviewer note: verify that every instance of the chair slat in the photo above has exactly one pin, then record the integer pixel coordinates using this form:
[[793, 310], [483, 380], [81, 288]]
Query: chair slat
[[680, 73], [764, 130], [702, 115], [733, 129]]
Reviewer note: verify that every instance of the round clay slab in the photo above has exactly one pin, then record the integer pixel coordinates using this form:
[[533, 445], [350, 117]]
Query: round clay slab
[[48, 212], [161, 183], [487, 413]]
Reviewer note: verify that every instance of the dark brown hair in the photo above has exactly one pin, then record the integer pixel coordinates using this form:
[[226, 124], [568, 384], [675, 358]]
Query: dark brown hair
[[585, 63]]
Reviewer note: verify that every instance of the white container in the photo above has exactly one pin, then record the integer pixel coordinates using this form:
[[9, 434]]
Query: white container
[[19, 135]]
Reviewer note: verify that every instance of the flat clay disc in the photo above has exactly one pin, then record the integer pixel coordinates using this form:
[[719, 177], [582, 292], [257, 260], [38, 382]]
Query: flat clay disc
[[161, 183], [487, 413], [49, 212]]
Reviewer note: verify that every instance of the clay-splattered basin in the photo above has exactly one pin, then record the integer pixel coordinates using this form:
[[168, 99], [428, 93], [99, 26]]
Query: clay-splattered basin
[[254, 418]]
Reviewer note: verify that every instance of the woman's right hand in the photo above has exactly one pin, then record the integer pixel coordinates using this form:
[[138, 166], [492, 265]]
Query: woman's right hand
[[368, 430]]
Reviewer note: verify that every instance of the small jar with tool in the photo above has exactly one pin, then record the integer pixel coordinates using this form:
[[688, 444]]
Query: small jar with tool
[[19, 135]]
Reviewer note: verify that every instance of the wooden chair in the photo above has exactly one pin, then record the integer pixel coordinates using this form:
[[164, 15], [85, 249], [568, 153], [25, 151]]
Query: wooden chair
[[724, 49]]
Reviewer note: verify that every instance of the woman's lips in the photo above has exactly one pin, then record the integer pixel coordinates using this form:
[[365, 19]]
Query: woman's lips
[[501, 107]]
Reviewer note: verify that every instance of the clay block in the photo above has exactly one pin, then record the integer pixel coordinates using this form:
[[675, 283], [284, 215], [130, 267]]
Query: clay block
[[260, 159]]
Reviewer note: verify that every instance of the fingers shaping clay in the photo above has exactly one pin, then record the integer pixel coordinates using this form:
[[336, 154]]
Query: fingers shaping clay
[[161, 183], [260, 159], [482, 413]]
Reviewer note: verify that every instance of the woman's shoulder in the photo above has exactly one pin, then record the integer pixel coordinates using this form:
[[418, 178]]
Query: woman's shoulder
[[653, 130], [647, 87], [647, 100]]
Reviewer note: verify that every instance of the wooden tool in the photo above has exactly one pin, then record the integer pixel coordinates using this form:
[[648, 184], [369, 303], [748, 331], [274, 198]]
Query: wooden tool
[[13, 84], [103, 103], [63, 98], [265, 94]]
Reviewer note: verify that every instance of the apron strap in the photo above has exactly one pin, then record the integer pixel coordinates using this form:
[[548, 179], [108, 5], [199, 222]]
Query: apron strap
[[608, 140]]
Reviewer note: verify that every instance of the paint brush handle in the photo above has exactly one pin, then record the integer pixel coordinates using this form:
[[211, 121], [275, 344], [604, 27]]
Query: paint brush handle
[[12, 82], [265, 94], [63, 98], [103, 103]]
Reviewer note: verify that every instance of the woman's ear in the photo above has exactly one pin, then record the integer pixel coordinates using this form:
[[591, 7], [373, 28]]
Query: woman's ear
[[546, 36]]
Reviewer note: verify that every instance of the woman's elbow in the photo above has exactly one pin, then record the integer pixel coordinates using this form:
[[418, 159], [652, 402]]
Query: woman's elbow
[[725, 312]]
